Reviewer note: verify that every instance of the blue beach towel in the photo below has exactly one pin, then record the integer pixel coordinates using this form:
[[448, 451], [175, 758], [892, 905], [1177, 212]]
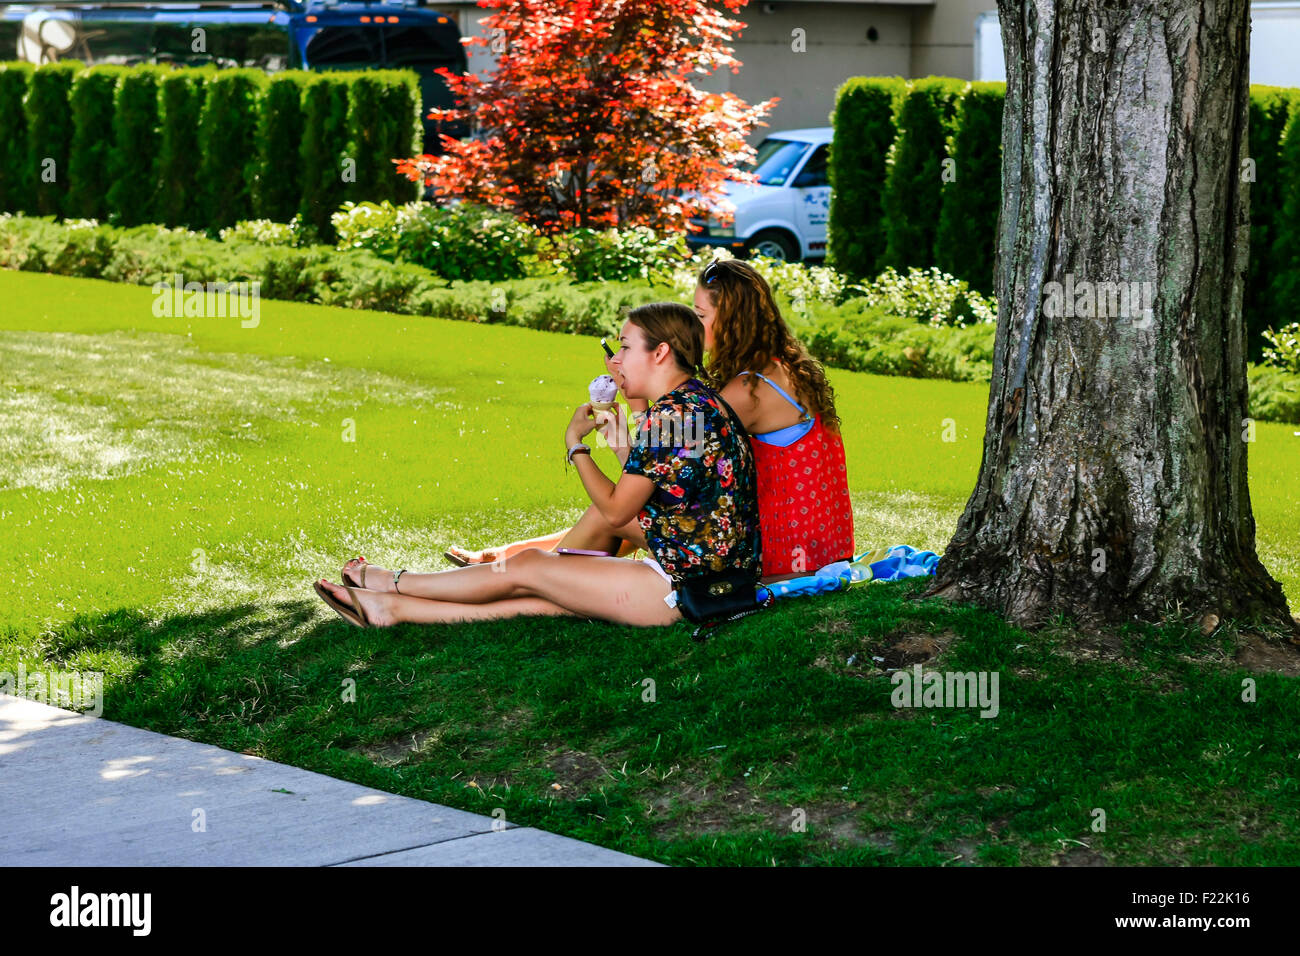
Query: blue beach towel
[[882, 564]]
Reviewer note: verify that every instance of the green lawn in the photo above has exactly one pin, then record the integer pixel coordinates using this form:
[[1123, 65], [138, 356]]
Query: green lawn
[[173, 486]]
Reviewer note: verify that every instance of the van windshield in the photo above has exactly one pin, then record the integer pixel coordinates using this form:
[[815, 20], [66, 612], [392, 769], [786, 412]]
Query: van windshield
[[776, 160]]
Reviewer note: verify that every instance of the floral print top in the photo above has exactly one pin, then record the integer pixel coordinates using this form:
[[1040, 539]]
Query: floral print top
[[702, 516]]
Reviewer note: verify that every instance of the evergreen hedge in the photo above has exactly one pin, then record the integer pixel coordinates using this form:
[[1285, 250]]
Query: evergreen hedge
[[383, 124], [182, 96], [325, 121], [914, 182], [15, 174], [228, 147], [967, 235], [863, 119], [1285, 248], [93, 91], [49, 135], [133, 160], [1269, 108], [279, 138]]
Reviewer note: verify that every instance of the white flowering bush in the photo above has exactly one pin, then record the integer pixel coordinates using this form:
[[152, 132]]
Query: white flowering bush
[[617, 255], [265, 232], [800, 283], [464, 241], [928, 295], [1285, 348]]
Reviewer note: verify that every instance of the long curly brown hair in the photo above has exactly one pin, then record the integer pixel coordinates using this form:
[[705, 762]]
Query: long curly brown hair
[[749, 332]]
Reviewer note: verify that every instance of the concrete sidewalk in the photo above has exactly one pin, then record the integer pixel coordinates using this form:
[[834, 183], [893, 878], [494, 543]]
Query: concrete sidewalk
[[82, 791]]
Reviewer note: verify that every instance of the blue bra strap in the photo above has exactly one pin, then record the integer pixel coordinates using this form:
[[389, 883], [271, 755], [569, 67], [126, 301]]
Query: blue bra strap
[[779, 389]]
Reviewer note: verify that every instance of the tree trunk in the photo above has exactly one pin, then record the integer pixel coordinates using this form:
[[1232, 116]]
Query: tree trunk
[[1113, 482]]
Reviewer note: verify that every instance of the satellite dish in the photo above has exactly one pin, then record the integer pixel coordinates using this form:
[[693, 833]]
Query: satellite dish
[[44, 37]]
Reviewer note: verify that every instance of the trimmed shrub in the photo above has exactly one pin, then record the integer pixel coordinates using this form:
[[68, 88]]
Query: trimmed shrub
[[1284, 290], [967, 236], [325, 115], [227, 146], [383, 125], [179, 201], [93, 91], [49, 133], [133, 160], [863, 120], [278, 191], [914, 184], [1269, 108], [464, 242], [15, 174]]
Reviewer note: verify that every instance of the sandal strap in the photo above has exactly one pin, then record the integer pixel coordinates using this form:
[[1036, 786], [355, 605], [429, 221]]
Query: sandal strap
[[396, 575]]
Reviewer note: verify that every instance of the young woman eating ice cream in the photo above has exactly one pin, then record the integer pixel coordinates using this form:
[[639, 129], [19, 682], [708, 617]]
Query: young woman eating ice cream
[[688, 483], [807, 517]]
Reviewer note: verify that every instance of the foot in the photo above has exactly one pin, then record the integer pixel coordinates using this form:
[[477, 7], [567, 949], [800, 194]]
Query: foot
[[377, 578], [375, 606], [486, 556]]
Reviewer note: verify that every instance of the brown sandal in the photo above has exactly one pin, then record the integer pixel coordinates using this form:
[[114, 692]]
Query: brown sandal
[[354, 615], [347, 581]]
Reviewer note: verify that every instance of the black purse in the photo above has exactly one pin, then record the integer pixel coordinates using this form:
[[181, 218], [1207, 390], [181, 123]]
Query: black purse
[[711, 600]]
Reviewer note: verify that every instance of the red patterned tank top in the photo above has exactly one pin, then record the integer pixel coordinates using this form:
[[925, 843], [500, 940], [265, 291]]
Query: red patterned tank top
[[803, 495]]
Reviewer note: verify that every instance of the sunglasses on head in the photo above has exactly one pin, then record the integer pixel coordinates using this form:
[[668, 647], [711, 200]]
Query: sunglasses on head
[[712, 271]]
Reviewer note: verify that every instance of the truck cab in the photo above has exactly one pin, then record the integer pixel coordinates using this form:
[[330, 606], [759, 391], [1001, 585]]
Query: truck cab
[[783, 214]]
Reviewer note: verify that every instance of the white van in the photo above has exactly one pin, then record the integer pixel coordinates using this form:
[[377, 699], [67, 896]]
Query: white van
[[783, 215]]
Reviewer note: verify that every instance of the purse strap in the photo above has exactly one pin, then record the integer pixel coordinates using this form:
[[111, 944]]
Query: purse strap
[[702, 632]]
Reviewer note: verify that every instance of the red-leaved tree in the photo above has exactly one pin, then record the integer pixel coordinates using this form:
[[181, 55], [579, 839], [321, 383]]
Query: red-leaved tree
[[590, 119]]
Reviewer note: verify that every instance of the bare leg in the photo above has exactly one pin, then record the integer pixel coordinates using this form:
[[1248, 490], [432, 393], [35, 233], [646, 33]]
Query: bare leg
[[531, 582], [487, 555], [591, 533]]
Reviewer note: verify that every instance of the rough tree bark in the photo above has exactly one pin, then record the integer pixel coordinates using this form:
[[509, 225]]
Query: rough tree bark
[[1113, 482]]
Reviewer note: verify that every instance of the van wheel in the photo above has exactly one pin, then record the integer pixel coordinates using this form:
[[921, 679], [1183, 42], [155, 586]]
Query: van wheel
[[774, 244]]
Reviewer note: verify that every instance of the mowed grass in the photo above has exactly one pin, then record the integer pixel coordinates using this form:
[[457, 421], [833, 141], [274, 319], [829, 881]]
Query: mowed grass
[[170, 488]]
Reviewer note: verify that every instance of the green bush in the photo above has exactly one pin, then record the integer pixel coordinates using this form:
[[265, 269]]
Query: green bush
[[15, 174], [1274, 394], [49, 132], [179, 196], [1284, 290], [227, 146], [1283, 348], [863, 120], [325, 112], [967, 235], [463, 242], [264, 232], [1269, 108], [868, 338], [133, 160], [616, 255], [278, 191], [383, 123], [914, 183], [929, 296], [93, 93]]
